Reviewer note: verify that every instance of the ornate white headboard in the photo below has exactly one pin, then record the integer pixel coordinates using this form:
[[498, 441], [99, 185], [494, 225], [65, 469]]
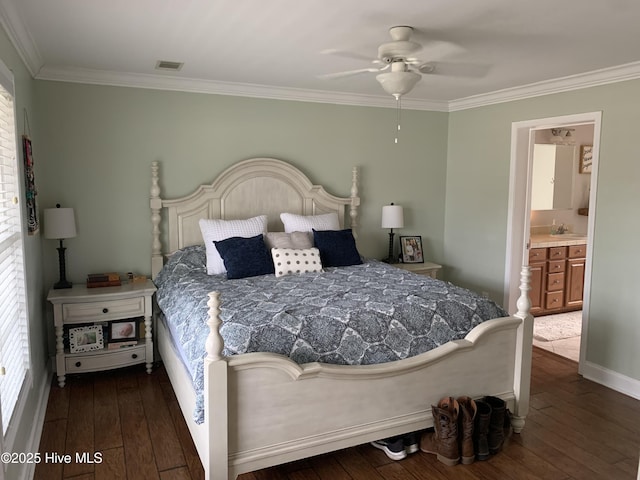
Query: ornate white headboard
[[258, 186]]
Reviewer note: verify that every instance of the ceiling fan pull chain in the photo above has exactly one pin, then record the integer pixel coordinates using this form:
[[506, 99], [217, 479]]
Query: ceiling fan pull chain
[[398, 115]]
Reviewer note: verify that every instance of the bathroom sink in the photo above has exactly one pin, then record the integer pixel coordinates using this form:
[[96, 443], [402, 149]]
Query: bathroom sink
[[569, 235]]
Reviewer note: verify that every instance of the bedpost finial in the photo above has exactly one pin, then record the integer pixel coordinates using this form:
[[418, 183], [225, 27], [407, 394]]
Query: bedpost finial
[[355, 201], [214, 343], [155, 202], [155, 187], [524, 303]]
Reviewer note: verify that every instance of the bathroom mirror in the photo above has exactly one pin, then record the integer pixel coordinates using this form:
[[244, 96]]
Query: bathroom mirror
[[552, 177]]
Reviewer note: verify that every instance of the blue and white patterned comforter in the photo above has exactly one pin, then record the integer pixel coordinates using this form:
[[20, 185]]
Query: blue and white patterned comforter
[[363, 314]]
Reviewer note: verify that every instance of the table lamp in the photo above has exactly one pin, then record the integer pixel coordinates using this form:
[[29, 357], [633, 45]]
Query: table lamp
[[392, 217], [59, 223]]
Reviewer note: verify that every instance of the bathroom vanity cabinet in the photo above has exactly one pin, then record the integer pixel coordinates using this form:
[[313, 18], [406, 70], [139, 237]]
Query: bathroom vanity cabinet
[[557, 278]]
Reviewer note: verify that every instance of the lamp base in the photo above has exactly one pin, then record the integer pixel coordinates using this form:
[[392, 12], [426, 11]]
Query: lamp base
[[390, 257], [62, 284]]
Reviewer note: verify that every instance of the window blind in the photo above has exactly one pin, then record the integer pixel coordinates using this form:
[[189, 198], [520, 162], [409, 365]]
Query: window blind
[[14, 342]]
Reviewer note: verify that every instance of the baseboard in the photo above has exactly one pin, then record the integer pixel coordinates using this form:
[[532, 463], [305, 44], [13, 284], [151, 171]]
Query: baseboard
[[38, 424], [609, 378]]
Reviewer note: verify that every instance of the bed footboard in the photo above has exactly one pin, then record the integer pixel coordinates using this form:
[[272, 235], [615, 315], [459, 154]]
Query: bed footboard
[[263, 409]]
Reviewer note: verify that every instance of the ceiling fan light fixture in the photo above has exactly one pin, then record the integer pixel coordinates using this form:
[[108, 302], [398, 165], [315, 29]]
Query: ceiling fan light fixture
[[556, 136], [398, 83], [562, 136]]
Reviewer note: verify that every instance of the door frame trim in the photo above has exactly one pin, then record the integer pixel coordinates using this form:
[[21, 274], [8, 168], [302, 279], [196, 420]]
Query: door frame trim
[[518, 223]]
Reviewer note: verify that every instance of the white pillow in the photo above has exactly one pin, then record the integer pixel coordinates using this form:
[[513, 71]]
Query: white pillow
[[288, 261], [298, 240], [307, 223], [216, 230]]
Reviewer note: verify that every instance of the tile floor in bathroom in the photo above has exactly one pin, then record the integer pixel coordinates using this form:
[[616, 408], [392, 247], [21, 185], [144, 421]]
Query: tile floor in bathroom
[[566, 347]]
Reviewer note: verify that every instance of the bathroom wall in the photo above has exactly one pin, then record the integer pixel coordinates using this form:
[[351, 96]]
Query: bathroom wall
[[581, 185]]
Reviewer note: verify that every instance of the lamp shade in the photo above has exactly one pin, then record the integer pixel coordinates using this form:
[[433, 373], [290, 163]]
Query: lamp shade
[[59, 223], [392, 216]]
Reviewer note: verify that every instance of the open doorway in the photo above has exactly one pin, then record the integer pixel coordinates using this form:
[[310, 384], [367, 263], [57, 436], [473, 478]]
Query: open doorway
[[524, 220], [560, 190]]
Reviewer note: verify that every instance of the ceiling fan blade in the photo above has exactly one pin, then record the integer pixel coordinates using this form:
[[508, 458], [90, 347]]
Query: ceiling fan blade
[[345, 54], [436, 49], [349, 73], [453, 69]]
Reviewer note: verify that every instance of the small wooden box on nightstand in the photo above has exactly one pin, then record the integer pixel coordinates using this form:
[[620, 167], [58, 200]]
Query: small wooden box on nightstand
[[81, 305], [429, 269]]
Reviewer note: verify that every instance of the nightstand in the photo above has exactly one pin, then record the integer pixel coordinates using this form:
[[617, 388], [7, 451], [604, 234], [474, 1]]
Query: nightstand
[[427, 268], [80, 305]]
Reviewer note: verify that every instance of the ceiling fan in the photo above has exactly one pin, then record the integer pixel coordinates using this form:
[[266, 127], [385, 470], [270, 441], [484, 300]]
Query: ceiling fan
[[399, 69]]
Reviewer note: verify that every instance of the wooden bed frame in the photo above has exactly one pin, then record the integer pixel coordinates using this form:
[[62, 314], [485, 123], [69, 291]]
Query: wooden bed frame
[[262, 409]]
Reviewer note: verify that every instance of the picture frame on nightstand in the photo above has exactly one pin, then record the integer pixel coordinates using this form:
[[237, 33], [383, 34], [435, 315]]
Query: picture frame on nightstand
[[411, 248], [86, 339], [123, 331]]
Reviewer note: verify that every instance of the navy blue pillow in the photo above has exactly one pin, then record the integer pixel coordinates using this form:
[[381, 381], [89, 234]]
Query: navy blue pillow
[[245, 257], [337, 248]]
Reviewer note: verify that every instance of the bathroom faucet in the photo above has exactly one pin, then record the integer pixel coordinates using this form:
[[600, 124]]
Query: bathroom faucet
[[558, 229]]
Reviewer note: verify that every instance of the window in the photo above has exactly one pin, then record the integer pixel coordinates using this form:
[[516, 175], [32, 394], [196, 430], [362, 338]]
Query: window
[[14, 342]]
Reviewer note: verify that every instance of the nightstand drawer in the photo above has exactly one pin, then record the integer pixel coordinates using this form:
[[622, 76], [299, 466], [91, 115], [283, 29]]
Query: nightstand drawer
[[428, 269], [105, 360], [103, 310]]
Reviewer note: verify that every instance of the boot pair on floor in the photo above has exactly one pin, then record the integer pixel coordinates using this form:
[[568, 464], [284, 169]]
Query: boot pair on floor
[[465, 430]]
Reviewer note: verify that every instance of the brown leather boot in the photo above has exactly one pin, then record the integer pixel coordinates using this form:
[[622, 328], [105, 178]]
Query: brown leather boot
[[496, 425], [481, 430], [466, 418], [444, 440]]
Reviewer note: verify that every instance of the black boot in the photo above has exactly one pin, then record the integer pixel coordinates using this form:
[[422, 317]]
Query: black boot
[[496, 425], [481, 430]]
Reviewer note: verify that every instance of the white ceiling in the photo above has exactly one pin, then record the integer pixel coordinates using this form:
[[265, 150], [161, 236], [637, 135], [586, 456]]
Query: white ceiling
[[274, 48]]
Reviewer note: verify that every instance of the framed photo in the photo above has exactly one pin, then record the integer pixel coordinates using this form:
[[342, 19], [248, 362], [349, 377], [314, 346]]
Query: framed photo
[[123, 331], [85, 339], [586, 158], [411, 249]]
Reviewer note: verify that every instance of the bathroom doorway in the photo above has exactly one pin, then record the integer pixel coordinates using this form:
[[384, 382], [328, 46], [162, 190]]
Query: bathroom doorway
[[523, 221], [558, 216]]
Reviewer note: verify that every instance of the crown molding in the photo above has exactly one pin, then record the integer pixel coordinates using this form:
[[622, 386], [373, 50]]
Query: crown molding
[[20, 37], [164, 82], [619, 73]]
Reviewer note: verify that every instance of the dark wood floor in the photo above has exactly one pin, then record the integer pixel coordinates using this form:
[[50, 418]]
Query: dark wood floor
[[576, 429]]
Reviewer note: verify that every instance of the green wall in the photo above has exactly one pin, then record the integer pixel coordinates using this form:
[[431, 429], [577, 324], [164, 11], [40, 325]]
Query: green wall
[[99, 143], [476, 209]]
